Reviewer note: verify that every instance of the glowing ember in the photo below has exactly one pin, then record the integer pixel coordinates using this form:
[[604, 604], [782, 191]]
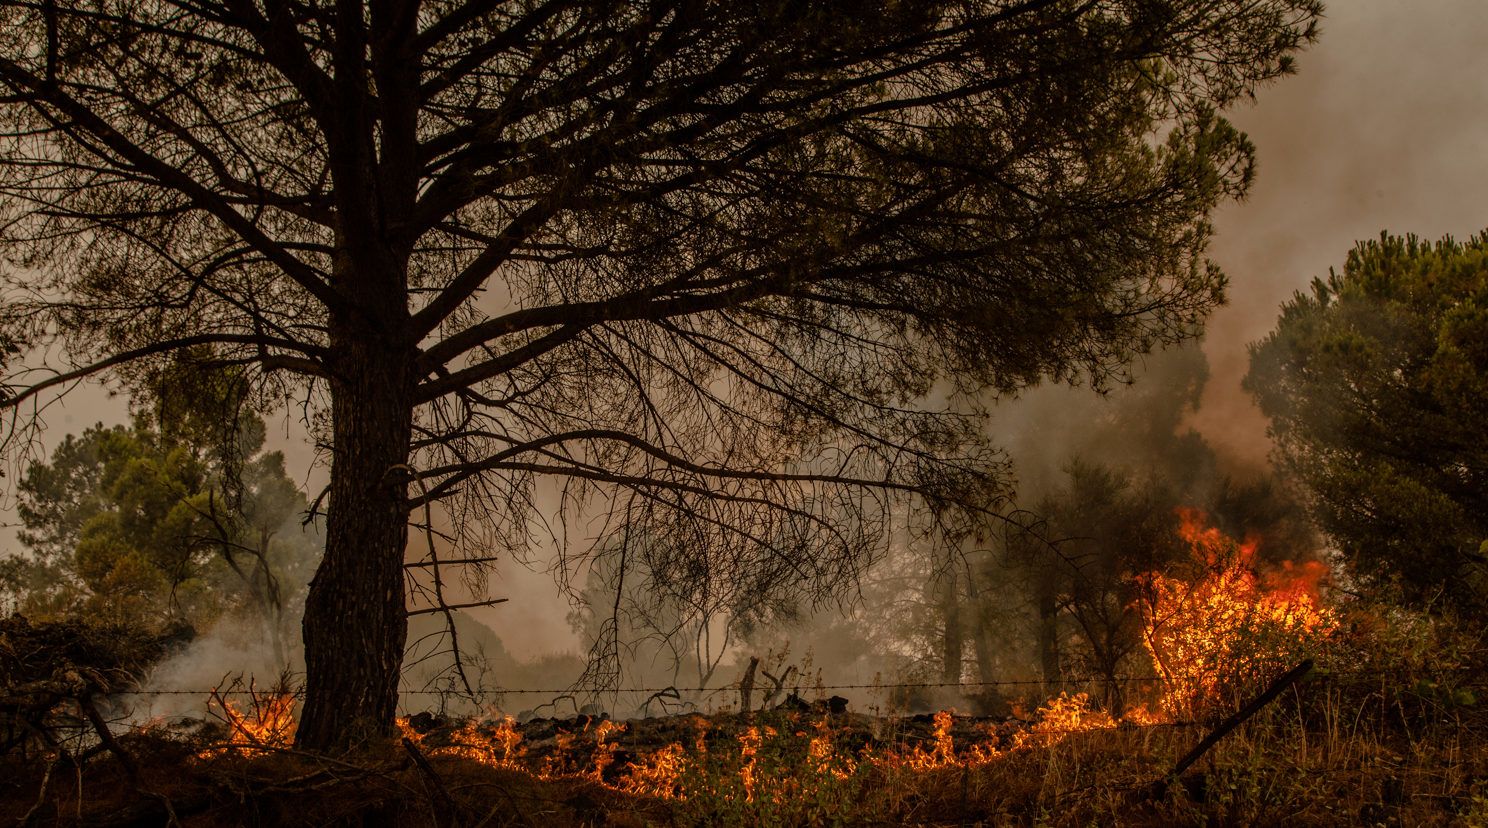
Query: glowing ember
[[1227, 626]]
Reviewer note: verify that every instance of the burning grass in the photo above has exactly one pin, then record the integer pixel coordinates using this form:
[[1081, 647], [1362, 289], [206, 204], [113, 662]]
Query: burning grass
[[1388, 731], [1318, 757]]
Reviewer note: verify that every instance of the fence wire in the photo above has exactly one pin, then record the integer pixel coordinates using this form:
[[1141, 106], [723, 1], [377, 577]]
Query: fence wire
[[1318, 673]]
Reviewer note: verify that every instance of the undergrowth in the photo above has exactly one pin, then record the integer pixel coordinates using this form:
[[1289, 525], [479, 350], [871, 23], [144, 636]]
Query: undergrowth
[[1388, 730], [1280, 768]]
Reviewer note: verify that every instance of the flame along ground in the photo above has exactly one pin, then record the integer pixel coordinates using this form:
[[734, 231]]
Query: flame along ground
[[1218, 624]]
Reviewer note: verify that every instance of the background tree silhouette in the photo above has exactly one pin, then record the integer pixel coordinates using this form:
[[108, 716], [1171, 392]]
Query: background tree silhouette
[[724, 267]]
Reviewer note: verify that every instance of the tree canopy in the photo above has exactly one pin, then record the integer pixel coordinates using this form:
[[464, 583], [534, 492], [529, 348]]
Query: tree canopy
[[702, 262], [154, 524], [1376, 383]]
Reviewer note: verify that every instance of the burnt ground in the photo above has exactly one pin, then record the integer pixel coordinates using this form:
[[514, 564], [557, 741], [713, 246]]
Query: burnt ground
[[1265, 773]]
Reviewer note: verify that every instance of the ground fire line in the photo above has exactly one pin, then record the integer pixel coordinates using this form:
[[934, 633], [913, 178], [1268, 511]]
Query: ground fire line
[[1213, 628]]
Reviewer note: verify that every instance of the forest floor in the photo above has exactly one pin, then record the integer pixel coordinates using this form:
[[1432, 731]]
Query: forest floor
[[803, 767]]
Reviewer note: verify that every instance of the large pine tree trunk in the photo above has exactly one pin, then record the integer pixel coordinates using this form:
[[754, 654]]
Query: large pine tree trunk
[[355, 622]]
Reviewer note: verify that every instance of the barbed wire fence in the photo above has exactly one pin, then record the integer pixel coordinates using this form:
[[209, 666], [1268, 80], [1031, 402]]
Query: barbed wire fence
[[1322, 673], [494, 698], [671, 700], [92, 735]]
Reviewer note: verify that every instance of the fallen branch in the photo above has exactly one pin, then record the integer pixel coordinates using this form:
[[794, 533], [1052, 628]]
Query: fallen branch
[[1236, 719], [440, 801], [131, 767]]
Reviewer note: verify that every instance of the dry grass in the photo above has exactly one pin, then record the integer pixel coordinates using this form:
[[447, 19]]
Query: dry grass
[[1389, 732], [1307, 761]]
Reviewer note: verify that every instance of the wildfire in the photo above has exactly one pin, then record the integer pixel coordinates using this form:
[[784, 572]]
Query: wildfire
[[658, 773], [1061, 716], [749, 744], [267, 722], [499, 746], [943, 746], [604, 751], [1208, 627], [1227, 626], [824, 757]]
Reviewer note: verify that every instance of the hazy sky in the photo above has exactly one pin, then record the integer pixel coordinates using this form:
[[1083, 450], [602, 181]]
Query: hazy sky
[[1385, 127]]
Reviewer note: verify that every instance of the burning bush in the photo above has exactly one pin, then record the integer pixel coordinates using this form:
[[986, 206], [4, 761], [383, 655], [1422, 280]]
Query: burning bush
[[1225, 627], [264, 722]]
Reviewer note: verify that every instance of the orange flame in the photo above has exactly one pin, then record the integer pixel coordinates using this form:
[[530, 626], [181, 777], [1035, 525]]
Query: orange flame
[[1219, 623], [1228, 625], [658, 773], [749, 744], [501, 747], [604, 750], [268, 722], [824, 757]]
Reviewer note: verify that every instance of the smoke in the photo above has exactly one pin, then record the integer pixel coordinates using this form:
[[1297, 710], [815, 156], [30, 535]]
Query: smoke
[[233, 647], [1385, 127], [251, 642], [896, 631]]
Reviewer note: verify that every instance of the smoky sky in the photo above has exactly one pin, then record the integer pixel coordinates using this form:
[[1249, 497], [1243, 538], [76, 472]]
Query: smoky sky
[[1383, 128]]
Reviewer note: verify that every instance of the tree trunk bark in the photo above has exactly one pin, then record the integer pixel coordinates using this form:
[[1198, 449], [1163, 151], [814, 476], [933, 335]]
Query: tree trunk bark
[[1048, 635], [953, 641], [355, 623], [982, 643]]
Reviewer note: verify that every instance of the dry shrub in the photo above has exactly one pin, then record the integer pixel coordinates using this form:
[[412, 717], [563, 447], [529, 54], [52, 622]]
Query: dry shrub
[[48, 668]]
